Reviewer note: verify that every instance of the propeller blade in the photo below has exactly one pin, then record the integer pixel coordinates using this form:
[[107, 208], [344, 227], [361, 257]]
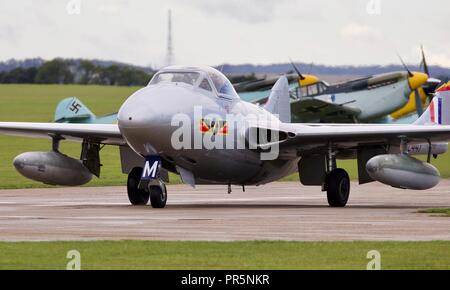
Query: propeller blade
[[419, 107], [410, 74], [424, 62], [297, 70]]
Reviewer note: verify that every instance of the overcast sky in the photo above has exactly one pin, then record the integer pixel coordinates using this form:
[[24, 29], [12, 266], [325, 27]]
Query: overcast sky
[[210, 32]]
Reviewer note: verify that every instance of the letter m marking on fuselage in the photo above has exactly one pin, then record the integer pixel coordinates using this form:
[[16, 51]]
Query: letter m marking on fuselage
[[151, 168]]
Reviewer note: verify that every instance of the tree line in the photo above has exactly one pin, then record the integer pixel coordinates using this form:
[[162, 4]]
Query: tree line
[[59, 71]]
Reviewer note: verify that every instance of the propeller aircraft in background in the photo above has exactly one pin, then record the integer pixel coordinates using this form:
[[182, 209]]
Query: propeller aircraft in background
[[397, 97]]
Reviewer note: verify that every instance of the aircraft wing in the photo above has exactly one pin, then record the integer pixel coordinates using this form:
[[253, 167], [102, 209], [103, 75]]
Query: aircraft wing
[[309, 110], [102, 133], [264, 84], [354, 135]]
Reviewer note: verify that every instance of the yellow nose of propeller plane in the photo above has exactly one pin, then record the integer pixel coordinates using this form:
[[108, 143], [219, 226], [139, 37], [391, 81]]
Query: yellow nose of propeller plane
[[417, 79], [307, 80]]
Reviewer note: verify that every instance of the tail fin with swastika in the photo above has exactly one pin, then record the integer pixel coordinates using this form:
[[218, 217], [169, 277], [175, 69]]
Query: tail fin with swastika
[[72, 110]]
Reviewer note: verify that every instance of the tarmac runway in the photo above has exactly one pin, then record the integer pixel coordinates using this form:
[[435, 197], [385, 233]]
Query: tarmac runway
[[279, 211]]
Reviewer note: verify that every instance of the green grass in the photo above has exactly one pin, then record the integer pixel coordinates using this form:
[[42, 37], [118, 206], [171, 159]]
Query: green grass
[[225, 255], [36, 103], [438, 211]]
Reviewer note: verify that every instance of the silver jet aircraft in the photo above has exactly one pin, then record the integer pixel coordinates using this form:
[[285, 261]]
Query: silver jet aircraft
[[190, 121]]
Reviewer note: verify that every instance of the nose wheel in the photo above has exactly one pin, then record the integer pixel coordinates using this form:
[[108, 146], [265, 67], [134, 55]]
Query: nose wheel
[[155, 191], [135, 195], [158, 196]]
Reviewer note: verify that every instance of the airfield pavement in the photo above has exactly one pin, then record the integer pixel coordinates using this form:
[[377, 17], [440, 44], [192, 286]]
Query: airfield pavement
[[279, 211]]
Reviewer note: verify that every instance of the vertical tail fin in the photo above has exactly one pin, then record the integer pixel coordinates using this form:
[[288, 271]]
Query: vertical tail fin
[[279, 100], [438, 112], [72, 110]]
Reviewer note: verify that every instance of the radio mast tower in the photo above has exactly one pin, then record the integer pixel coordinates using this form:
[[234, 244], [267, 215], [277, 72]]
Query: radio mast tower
[[169, 56]]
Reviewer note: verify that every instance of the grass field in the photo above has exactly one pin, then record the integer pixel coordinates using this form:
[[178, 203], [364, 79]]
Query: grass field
[[225, 255], [445, 212], [36, 103]]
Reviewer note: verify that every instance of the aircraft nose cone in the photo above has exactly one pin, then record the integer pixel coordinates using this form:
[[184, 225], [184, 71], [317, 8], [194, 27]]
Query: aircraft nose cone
[[153, 107], [139, 111], [417, 80], [131, 118], [145, 118]]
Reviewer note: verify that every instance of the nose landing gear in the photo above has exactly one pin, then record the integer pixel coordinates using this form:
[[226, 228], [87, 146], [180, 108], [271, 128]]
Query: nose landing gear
[[158, 195], [136, 195], [141, 188]]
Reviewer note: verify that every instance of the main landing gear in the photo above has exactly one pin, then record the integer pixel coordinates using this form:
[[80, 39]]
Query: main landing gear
[[337, 182], [338, 187], [140, 193]]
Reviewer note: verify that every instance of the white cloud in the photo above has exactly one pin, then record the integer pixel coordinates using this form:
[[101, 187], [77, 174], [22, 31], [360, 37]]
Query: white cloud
[[215, 31], [434, 55], [109, 9], [7, 33], [440, 59], [248, 11], [360, 32]]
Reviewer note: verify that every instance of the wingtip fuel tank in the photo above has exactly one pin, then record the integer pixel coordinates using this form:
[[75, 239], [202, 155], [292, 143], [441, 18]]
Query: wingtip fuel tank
[[403, 171], [52, 168]]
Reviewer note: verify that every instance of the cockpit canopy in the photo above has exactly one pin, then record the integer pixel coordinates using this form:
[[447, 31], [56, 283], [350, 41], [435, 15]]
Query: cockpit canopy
[[205, 78]]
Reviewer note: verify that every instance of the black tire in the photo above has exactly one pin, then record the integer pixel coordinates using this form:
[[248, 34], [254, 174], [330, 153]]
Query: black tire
[[135, 195], [338, 188], [158, 196]]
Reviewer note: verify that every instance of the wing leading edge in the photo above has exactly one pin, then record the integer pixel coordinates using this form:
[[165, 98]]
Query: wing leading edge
[[102, 133], [355, 134]]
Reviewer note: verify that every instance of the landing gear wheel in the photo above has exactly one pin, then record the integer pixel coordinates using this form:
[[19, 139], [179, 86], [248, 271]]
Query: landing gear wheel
[[135, 195], [158, 196], [338, 188]]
